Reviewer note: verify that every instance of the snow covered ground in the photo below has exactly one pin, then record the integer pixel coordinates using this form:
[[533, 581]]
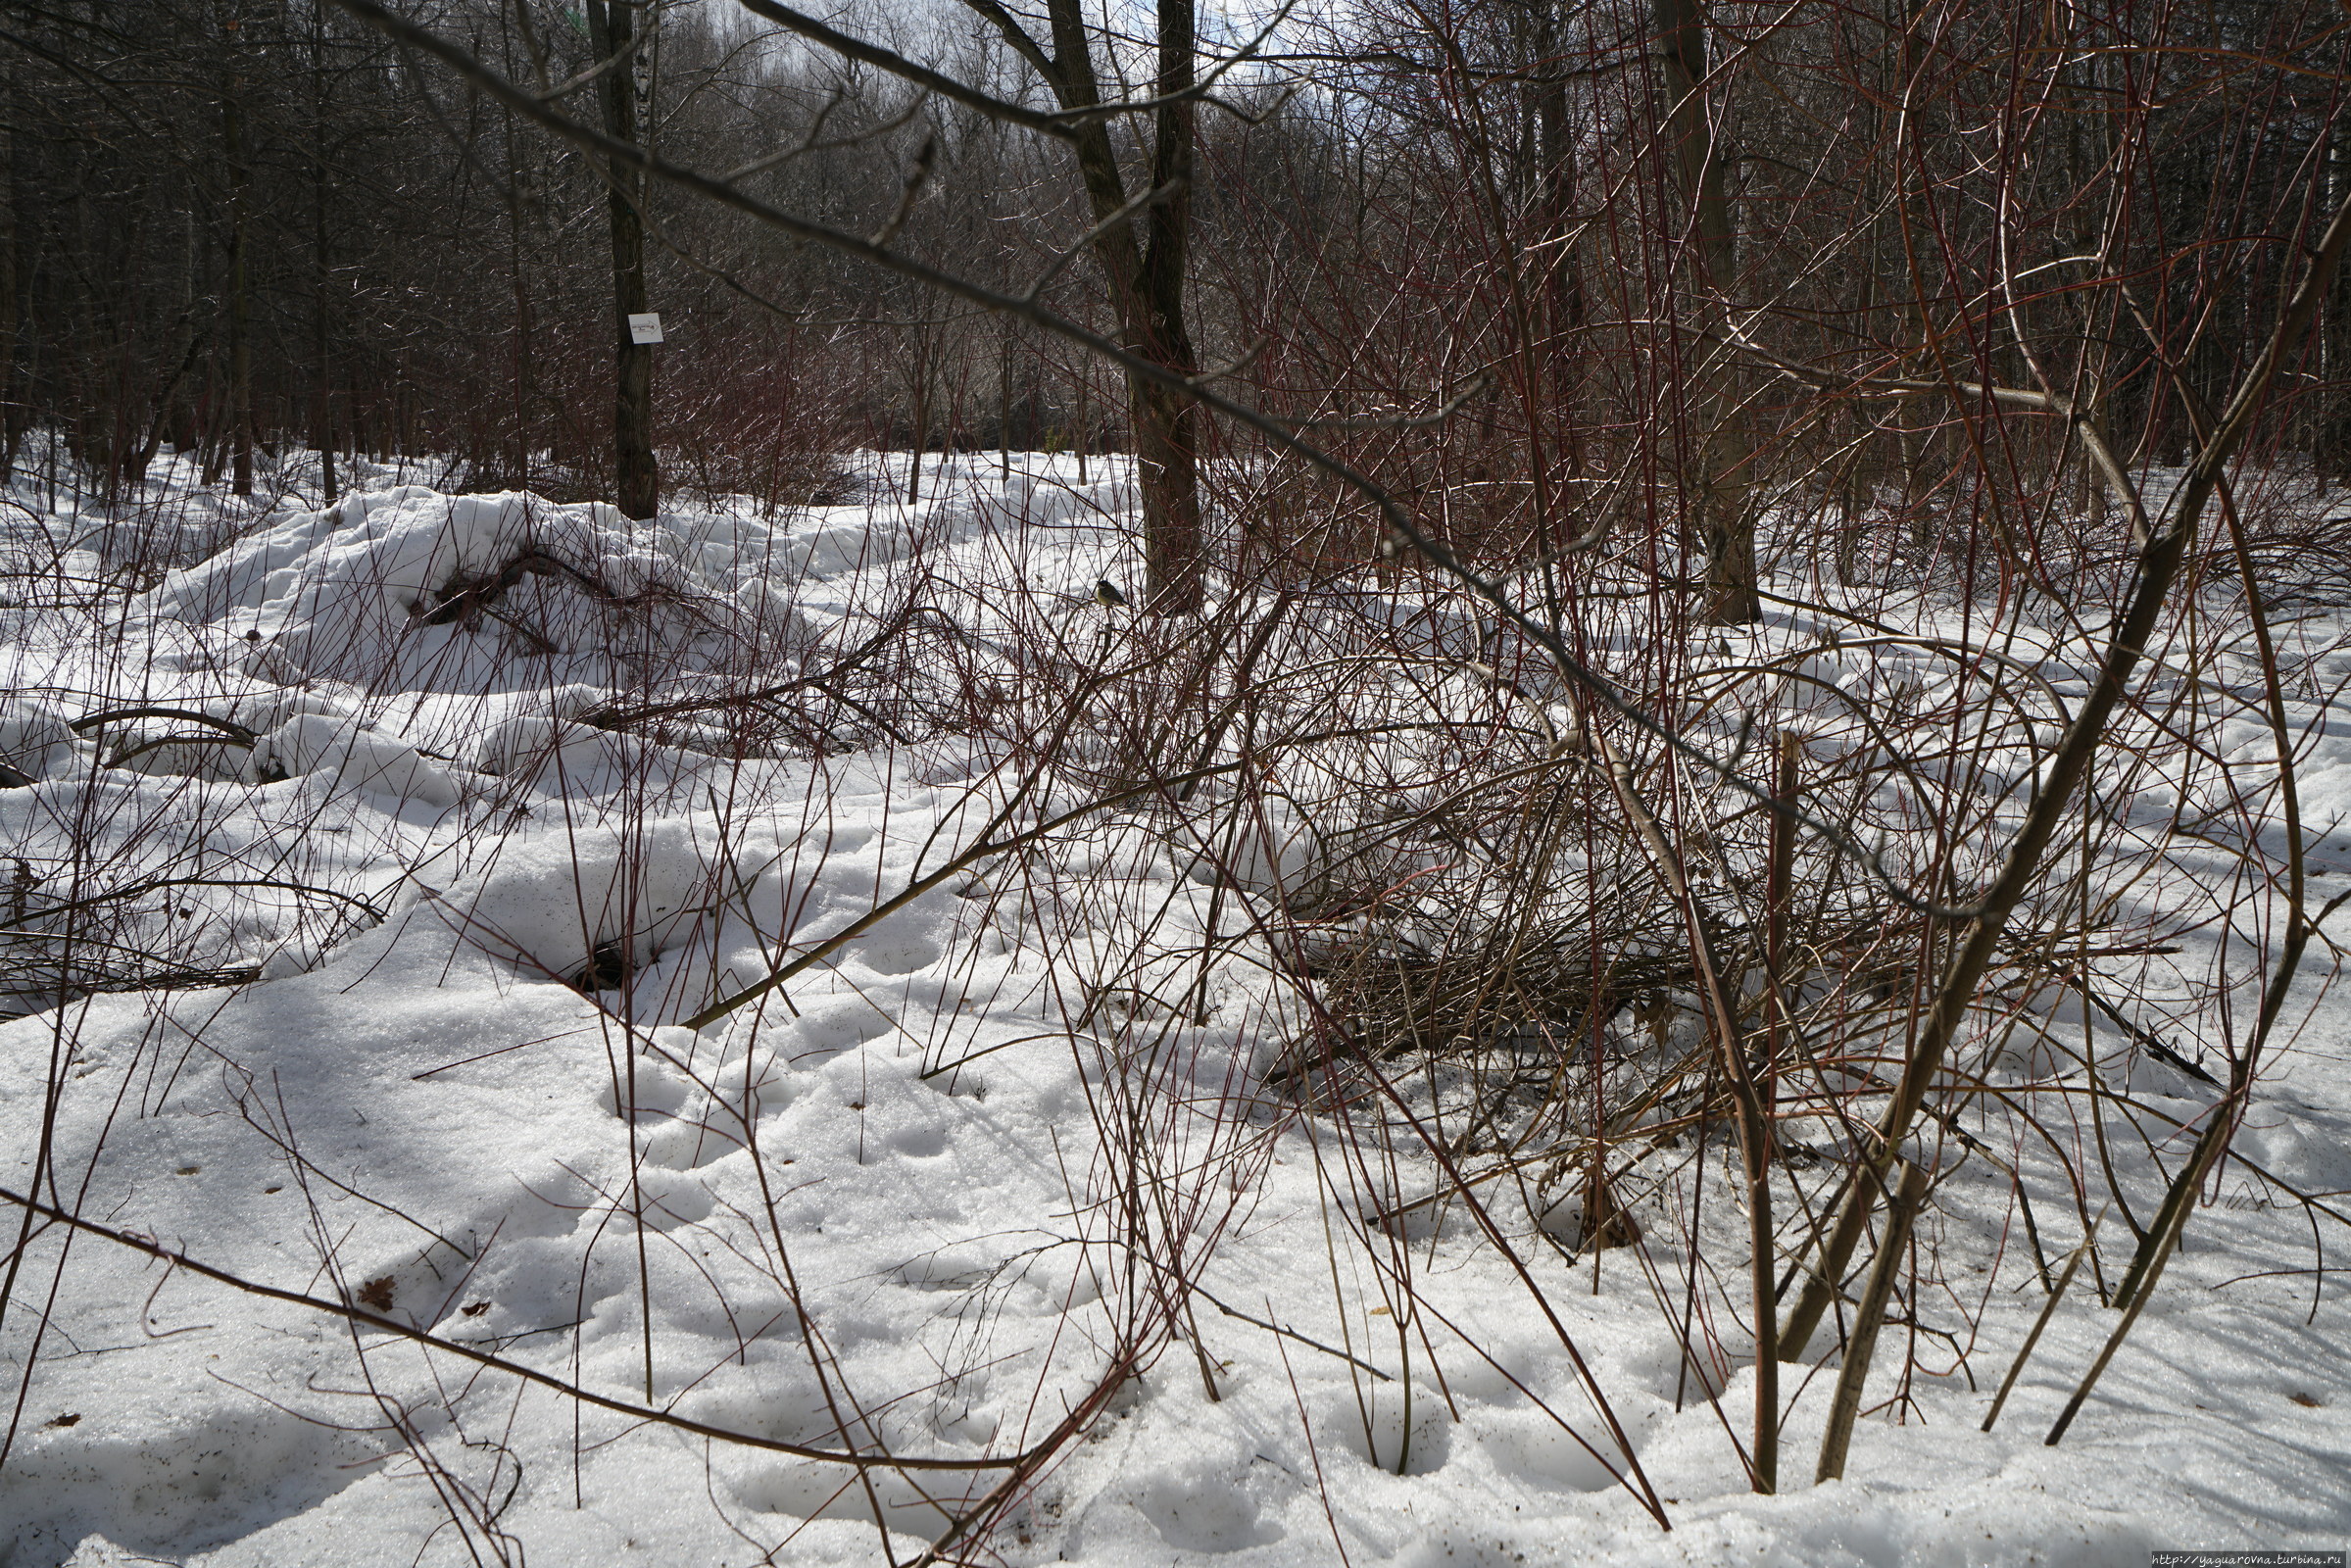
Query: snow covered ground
[[387, 849]]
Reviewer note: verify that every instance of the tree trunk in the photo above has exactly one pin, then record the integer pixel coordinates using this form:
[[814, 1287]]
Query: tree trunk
[[1146, 287], [922, 419], [135, 471], [10, 422], [1563, 275], [1166, 457], [611, 26], [240, 337], [518, 277], [322, 370], [2330, 446], [1726, 449]]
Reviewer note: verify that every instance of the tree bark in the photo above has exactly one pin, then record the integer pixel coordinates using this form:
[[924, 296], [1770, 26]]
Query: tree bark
[[2330, 447], [1146, 281], [636, 477], [11, 424], [1165, 453], [322, 370], [1724, 447], [240, 337], [1563, 273]]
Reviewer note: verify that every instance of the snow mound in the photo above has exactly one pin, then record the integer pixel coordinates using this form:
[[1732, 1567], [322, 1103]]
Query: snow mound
[[577, 906], [553, 904], [34, 742], [377, 585], [359, 759]]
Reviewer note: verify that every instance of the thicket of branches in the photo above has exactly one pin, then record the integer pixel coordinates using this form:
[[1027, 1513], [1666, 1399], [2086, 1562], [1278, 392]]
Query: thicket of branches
[[233, 224], [1486, 370]]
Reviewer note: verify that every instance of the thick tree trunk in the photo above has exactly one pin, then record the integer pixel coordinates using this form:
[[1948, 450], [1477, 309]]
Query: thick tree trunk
[[1146, 287], [611, 25], [1166, 456], [1720, 489]]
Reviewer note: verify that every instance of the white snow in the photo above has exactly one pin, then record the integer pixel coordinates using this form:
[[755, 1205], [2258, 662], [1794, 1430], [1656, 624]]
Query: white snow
[[929, 1196]]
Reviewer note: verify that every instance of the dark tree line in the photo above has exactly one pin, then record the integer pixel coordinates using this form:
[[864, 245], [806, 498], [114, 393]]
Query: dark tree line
[[1943, 268]]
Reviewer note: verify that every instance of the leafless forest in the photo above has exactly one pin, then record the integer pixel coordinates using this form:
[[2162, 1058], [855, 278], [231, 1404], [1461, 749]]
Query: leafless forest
[[1725, 622]]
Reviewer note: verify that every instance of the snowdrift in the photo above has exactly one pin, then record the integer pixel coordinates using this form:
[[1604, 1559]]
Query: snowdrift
[[376, 905]]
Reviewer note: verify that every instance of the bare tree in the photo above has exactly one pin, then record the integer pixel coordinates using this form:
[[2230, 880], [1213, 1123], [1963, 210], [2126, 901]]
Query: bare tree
[[1540, 367], [1723, 452], [1144, 275], [612, 29]]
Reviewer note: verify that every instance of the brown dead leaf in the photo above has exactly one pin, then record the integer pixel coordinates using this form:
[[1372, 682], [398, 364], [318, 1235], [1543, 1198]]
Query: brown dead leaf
[[377, 1294]]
